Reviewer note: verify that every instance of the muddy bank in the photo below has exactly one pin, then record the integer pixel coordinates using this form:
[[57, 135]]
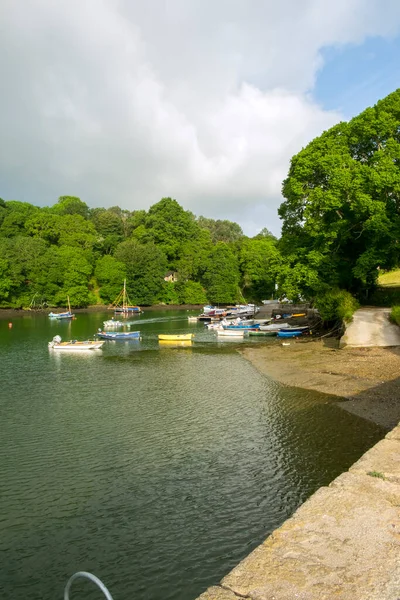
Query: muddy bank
[[7, 313], [366, 379]]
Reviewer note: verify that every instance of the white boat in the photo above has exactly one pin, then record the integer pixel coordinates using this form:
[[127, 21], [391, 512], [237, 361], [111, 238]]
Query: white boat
[[274, 327], [192, 319], [112, 324], [239, 333], [57, 344], [208, 308]]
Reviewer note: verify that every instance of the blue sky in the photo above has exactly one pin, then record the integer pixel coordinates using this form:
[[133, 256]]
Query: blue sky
[[354, 77]]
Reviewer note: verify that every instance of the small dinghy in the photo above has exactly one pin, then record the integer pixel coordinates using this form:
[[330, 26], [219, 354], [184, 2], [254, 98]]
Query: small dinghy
[[173, 337], [119, 335], [57, 344], [238, 333]]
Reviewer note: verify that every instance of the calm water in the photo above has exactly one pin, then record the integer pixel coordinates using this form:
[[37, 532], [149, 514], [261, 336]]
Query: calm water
[[156, 468]]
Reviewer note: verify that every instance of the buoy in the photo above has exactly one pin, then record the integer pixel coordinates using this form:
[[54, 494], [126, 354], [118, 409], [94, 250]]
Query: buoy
[[9, 325]]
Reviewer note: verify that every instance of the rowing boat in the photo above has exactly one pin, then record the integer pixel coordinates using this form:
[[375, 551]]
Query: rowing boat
[[173, 337]]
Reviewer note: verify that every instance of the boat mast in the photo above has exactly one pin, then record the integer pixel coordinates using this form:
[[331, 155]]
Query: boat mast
[[69, 306], [124, 303]]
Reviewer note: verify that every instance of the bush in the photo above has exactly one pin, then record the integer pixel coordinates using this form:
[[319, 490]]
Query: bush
[[385, 297], [395, 315], [336, 304]]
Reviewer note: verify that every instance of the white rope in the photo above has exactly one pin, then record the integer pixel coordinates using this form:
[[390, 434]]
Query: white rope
[[86, 575]]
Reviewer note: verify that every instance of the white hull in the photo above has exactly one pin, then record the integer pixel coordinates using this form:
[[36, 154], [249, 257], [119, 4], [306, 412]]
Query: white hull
[[232, 333], [57, 344], [76, 347]]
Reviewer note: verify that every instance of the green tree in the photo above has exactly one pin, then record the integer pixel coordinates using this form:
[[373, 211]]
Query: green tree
[[342, 198], [15, 216], [171, 227], [110, 273], [71, 205], [221, 231], [145, 269], [222, 276], [67, 273], [191, 292], [260, 262]]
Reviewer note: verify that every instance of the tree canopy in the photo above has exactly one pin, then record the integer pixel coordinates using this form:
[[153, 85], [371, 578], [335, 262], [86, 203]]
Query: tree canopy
[[341, 211]]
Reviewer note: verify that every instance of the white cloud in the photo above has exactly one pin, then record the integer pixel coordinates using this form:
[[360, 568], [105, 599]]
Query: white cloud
[[123, 103]]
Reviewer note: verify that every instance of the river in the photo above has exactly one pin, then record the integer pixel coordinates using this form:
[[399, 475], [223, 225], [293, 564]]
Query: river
[[157, 468]]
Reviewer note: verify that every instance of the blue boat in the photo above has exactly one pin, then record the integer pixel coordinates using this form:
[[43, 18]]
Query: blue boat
[[289, 334], [64, 315], [243, 326], [119, 335]]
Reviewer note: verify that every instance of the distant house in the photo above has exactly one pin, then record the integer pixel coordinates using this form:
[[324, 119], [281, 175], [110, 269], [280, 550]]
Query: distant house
[[171, 276]]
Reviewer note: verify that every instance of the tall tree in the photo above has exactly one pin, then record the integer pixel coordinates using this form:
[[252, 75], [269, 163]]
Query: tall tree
[[221, 231], [71, 205], [222, 275], [145, 269], [342, 198]]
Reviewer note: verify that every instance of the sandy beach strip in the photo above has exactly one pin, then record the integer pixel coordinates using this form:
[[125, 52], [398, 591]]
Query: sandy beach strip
[[367, 380]]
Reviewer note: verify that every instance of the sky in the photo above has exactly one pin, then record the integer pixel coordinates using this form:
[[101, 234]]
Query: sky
[[123, 102]]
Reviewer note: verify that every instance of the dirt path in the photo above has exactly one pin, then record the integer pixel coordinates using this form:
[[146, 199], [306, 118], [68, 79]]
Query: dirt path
[[366, 379], [371, 327]]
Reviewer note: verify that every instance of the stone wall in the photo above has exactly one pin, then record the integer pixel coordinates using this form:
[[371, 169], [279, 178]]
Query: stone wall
[[343, 543]]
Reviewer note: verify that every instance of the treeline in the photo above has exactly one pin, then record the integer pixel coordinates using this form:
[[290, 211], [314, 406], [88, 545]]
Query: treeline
[[341, 224], [47, 254]]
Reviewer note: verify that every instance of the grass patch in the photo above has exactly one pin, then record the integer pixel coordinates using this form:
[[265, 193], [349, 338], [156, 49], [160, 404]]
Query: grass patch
[[376, 474], [391, 278]]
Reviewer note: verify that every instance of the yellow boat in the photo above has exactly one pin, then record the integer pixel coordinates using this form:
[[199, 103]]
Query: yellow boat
[[184, 337]]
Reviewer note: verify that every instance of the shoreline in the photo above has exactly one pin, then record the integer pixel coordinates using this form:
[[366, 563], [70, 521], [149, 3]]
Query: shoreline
[[367, 380], [20, 312]]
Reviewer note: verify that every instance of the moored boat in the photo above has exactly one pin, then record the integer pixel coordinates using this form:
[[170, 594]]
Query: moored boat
[[262, 333], [64, 315], [174, 337], [230, 332], [289, 334], [274, 327], [58, 344], [242, 326], [122, 305], [119, 335]]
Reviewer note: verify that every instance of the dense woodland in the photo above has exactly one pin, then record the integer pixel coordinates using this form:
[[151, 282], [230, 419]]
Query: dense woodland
[[341, 224], [47, 254]]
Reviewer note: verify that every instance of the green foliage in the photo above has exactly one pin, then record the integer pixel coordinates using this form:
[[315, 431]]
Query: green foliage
[[168, 293], [110, 274], [341, 213], [15, 216], [145, 267], [221, 231], [71, 205], [377, 474], [386, 296], [395, 315], [191, 292], [170, 227], [260, 262], [336, 304], [222, 276]]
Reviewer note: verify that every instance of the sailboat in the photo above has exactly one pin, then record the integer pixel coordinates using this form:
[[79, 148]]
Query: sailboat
[[65, 315], [122, 305]]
